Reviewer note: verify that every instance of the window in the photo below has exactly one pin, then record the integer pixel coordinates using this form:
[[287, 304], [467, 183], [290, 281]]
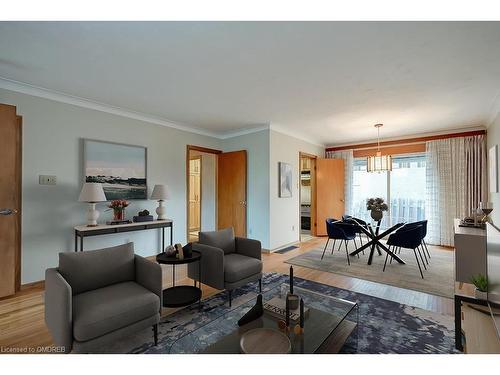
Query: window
[[403, 188]]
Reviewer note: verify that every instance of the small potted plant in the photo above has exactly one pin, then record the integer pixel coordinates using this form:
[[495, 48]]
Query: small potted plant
[[118, 206], [376, 206], [481, 283]]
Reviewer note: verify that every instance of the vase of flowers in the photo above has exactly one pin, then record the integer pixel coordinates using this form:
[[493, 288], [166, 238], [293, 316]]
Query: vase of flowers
[[118, 206], [377, 206]]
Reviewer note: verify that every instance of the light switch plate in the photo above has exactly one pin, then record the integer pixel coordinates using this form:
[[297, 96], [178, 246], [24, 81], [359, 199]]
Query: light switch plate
[[47, 180]]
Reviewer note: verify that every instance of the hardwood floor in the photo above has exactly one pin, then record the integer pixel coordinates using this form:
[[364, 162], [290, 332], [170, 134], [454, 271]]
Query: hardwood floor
[[22, 316]]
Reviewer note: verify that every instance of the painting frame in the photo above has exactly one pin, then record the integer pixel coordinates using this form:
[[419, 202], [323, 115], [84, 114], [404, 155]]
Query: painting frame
[[285, 180], [136, 192], [493, 168]]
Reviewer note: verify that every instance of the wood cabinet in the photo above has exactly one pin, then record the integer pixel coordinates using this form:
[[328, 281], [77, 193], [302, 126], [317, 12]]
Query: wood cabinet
[[479, 330], [470, 252]]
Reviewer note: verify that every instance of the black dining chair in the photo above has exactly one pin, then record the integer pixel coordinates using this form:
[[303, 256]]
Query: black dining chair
[[354, 220], [338, 230], [423, 245], [409, 238]]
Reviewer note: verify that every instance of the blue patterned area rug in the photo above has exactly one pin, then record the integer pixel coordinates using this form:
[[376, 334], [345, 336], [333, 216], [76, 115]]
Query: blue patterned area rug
[[384, 326]]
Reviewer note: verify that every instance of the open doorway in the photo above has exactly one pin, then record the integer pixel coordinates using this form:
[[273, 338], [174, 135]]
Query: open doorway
[[201, 191], [307, 194]]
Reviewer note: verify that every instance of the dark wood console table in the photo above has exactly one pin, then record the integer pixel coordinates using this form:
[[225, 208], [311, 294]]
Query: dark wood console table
[[82, 231]]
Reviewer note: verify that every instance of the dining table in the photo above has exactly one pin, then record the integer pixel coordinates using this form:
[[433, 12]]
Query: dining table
[[374, 242]]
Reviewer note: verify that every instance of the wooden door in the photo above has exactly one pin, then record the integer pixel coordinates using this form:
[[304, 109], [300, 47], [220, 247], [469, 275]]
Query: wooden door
[[329, 192], [232, 191], [195, 194], [10, 200]]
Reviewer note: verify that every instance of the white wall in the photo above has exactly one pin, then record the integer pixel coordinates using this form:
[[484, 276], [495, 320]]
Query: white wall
[[52, 134], [52, 144], [493, 138], [284, 212], [257, 146]]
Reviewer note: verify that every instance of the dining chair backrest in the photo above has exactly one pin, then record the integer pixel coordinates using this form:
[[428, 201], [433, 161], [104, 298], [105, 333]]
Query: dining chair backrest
[[336, 229], [408, 237], [353, 220], [423, 223]]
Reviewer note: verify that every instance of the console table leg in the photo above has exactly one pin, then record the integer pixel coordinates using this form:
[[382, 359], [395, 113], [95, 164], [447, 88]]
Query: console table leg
[[81, 243], [458, 324], [76, 243], [162, 239], [171, 233]]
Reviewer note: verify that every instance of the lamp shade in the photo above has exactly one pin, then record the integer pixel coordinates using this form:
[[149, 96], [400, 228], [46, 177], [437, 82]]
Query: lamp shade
[[379, 163], [160, 192], [92, 192]]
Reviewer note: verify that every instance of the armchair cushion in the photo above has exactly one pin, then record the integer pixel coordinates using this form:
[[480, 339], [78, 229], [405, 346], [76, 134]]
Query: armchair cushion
[[95, 269], [100, 311], [223, 239], [238, 267]]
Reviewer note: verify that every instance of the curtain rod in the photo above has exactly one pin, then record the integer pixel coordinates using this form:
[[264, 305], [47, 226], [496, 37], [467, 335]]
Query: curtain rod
[[400, 142]]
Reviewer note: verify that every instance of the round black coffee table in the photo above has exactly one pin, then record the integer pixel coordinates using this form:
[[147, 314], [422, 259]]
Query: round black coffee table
[[181, 295]]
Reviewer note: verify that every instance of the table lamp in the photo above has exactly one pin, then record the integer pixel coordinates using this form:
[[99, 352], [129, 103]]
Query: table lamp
[[92, 193], [160, 193]]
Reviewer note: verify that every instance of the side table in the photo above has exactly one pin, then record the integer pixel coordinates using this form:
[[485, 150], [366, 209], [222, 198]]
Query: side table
[[181, 295]]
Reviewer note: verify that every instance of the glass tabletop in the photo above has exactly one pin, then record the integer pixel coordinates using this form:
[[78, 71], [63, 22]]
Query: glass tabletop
[[328, 324]]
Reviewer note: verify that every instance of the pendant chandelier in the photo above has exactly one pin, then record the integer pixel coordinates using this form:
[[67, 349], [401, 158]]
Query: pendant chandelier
[[378, 162]]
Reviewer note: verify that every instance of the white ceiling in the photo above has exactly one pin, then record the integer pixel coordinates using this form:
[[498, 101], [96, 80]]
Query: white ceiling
[[325, 81]]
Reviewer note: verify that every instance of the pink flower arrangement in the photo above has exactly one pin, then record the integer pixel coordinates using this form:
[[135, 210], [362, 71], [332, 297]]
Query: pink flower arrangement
[[118, 204]]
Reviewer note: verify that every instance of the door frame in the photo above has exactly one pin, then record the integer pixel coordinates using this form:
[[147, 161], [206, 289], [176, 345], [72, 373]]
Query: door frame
[[197, 157], [190, 148], [305, 155]]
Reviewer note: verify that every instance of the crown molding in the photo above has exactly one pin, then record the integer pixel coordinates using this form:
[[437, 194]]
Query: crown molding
[[237, 133], [281, 129], [41, 92]]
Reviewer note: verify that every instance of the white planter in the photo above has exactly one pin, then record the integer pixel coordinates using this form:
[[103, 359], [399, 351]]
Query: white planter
[[480, 295]]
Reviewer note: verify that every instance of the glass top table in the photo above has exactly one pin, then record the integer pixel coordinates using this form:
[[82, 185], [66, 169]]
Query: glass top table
[[329, 323]]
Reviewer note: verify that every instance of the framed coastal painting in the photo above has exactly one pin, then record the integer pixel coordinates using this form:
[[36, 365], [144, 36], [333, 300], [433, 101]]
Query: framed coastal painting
[[285, 180], [121, 168]]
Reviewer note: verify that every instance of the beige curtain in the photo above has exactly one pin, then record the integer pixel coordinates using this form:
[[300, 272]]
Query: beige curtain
[[456, 181]]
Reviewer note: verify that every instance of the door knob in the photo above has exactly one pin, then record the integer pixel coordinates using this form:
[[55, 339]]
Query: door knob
[[7, 211]]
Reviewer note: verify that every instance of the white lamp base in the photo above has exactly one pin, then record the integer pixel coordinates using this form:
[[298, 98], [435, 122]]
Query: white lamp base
[[161, 211], [92, 215]]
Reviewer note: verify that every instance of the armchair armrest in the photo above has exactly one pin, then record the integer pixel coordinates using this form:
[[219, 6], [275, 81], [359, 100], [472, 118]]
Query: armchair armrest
[[248, 247], [58, 309], [148, 274], [212, 266]]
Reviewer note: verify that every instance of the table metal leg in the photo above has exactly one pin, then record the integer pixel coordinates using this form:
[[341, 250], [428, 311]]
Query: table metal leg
[[199, 281], [76, 243], [172, 234], [81, 243], [173, 275]]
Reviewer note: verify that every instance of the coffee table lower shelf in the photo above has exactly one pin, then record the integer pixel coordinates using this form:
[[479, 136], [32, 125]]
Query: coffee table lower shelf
[[181, 295]]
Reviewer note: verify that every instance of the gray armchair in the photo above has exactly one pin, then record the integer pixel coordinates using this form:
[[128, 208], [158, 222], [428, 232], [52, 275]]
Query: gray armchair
[[96, 297], [227, 262]]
